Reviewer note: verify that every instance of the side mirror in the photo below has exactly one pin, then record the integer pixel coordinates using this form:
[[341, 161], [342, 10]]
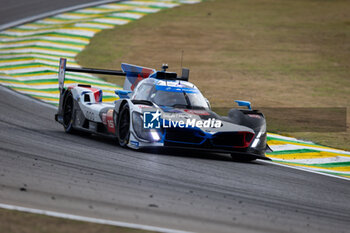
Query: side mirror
[[123, 94], [244, 103]]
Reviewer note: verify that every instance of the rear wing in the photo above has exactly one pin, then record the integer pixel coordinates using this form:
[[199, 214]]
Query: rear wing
[[134, 74], [63, 68]]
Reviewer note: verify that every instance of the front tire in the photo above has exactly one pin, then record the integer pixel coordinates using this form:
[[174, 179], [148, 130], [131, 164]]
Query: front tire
[[124, 126]]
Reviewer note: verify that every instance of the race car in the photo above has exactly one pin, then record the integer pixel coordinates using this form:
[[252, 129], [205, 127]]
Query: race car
[[160, 109]]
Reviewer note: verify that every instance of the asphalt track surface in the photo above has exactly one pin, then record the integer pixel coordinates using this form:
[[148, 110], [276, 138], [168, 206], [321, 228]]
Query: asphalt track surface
[[43, 167], [19, 9]]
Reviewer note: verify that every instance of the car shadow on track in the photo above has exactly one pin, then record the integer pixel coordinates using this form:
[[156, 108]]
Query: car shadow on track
[[193, 153], [172, 152]]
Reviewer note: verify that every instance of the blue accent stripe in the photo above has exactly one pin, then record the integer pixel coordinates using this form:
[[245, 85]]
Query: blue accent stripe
[[176, 89]]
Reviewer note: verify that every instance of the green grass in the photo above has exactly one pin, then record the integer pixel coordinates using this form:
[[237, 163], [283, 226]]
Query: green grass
[[273, 53]]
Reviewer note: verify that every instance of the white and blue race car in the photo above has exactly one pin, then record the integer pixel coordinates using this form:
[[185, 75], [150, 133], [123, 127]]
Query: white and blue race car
[[160, 109]]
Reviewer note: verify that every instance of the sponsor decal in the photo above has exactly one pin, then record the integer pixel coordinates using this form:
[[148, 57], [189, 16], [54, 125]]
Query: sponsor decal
[[154, 120], [197, 112], [151, 120], [254, 116], [110, 122], [143, 106]]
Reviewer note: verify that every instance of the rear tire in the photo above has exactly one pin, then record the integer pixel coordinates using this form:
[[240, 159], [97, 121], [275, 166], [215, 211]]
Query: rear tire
[[242, 158], [68, 111], [124, 126]]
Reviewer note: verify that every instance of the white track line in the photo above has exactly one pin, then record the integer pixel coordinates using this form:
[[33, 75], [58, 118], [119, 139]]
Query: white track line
[[88, 219], [305, 169]]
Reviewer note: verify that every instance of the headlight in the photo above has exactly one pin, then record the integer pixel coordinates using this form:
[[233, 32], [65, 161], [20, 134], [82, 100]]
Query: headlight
[[151, 135], [257, 138]]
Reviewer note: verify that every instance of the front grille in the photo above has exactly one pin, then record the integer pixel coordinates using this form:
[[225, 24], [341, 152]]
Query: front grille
[[185, 135], [232, 139]]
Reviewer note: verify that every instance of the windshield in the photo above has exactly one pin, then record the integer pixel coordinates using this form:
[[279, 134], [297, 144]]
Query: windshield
[[179, 99]]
